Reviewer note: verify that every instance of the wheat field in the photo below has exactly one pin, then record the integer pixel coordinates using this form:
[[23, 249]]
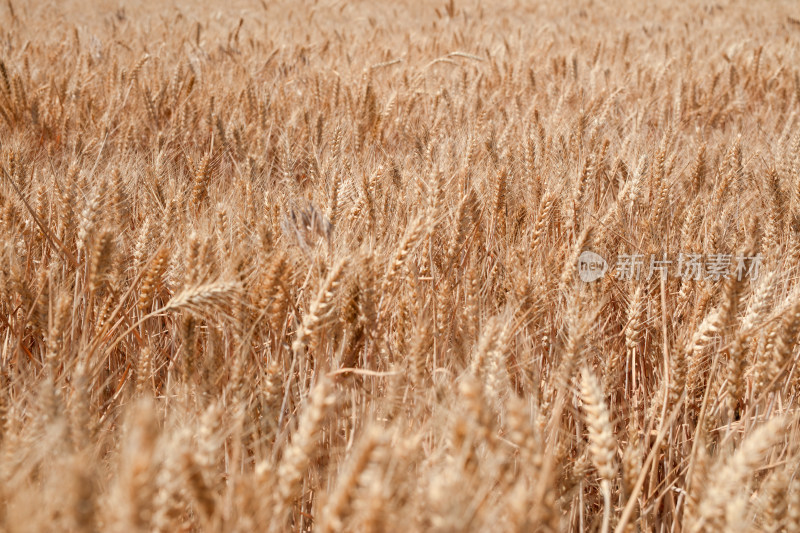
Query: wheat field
[[322, 266]]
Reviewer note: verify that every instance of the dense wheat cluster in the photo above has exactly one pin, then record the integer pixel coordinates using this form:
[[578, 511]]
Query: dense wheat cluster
[[315, 266]]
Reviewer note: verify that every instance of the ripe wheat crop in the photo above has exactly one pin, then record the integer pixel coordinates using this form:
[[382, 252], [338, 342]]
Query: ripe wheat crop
[[322, 266]]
